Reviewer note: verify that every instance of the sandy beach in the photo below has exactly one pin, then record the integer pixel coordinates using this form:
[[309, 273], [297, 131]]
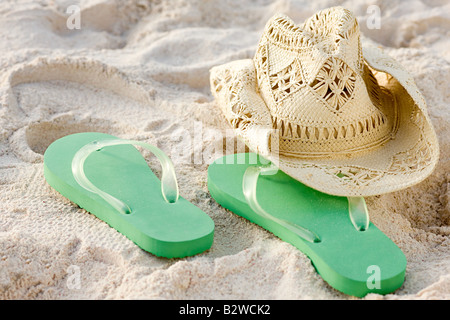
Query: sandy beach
[[140, 70]]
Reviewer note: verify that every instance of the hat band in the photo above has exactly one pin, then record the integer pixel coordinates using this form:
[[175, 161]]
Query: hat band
[[289, 147]]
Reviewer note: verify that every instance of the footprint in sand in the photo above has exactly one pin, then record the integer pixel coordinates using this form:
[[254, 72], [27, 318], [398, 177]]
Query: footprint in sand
[[50, 98]]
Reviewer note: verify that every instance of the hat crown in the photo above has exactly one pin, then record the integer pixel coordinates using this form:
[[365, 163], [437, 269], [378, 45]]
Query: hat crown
[[322, 96]]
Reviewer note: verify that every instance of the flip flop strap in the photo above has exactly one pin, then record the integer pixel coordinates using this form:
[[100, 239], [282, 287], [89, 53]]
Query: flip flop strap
[[249, 184], [169, 185], [357, 207], [359, 215]]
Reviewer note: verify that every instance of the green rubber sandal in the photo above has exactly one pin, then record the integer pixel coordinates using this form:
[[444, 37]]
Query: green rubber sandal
[[109, 178], [347, 250]]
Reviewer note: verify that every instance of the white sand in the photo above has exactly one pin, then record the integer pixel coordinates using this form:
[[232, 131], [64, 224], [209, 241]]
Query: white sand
[[141, 71]]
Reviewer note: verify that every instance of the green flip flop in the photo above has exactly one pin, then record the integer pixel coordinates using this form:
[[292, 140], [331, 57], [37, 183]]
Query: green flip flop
[[347, 250], [108, 177]]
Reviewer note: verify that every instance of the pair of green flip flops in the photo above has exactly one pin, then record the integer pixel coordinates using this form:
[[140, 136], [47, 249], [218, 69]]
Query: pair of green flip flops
[[109, 177]]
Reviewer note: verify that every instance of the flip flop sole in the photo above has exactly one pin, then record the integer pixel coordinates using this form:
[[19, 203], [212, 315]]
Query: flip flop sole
[[353, 262], [165, 229]]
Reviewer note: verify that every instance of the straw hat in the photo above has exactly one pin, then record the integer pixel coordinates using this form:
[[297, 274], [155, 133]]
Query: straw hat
[[340, 118]]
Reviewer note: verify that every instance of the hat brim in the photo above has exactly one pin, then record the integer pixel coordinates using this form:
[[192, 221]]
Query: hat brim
[[406, 159]]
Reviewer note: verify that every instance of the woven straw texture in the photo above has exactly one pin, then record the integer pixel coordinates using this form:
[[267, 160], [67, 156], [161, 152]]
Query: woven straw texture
[[344, 119]]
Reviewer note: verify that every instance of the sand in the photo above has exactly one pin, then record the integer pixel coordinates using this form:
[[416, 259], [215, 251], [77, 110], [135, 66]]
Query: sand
[[140, 70]]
